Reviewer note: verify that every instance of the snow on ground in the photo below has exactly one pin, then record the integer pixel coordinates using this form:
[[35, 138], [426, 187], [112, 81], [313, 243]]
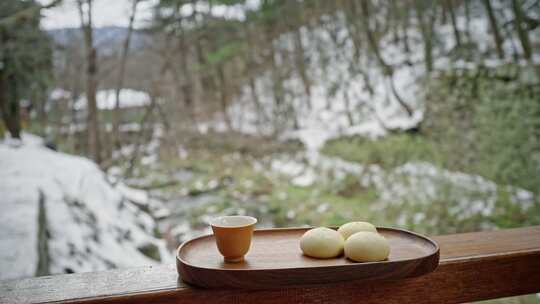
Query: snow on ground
[[342, 83], [90, 225], [424, 183], [337, 88], [19, 229], [418, 184], [106, 99]]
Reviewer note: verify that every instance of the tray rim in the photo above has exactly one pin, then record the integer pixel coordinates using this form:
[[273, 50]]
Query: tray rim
[[420, 236]]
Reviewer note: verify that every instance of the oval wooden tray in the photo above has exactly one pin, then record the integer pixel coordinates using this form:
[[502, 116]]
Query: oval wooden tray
[[275, 260]]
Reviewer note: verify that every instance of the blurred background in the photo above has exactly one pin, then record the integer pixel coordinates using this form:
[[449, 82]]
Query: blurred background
[[128, 124]]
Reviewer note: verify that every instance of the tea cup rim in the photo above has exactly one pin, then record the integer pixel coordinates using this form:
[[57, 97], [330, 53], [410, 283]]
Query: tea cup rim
[[249, 221]]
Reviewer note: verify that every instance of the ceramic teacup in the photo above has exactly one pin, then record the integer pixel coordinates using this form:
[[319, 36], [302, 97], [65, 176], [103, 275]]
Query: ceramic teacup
[[233, 236]]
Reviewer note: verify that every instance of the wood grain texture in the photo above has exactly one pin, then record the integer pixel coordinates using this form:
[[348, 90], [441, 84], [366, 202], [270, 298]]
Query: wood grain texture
[[473, 266], [275, 261]]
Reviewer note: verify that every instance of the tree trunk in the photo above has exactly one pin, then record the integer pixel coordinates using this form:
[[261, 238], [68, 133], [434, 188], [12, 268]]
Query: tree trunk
[[256, 102], [94, 142], [224, 96], [426, 29], [348, 108], [387, 69], [494, 28], [144, 135], [352, 28], [9, 96], [450, 8], [252, 69], [276, 77], [120, 80], [398, 97], [444, 10], [405, 30], [9, 104], [374, 46], [38, 99], [92, 126], [522, 33], [187, 84], [467, 7], [301, 66], [299, 52], [207, 81]]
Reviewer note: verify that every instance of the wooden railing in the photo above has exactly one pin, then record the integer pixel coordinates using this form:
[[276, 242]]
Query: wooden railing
[[474, 266]]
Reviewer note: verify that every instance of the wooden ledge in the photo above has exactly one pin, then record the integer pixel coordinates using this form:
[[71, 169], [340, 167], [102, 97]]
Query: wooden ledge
[[473, 266]]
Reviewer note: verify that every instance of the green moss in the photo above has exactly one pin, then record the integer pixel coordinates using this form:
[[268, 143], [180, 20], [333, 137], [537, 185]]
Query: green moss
[[486, 125], [293, 206], [390, 151]]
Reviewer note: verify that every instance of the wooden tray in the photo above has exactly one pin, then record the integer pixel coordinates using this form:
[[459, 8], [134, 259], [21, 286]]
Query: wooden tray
[[275, 260]]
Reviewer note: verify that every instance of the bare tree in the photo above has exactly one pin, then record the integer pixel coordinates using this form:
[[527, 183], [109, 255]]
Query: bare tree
[[277, 85], [85, 14], [494, 28], [426, 20], [467, 9], [146, 133], [352, 30], [521, 31], [120, 80], [372, 42], [405, 29], [186, 85], [450, 8], [374, 46], [300, 56], [224, 95], [348, 111], [251, 68]]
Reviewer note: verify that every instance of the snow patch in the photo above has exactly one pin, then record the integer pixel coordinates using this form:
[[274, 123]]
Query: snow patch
[[90, 225], [106, 99]]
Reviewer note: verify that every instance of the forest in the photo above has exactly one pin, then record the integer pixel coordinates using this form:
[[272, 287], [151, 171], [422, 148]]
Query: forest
[[417, 114]]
